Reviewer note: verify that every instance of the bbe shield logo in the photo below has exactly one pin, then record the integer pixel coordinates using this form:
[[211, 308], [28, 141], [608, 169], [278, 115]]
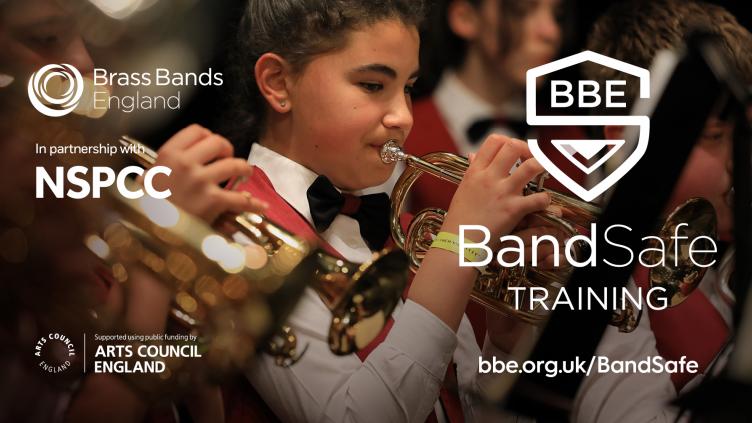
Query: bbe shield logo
[[49, 95], [595, 152]]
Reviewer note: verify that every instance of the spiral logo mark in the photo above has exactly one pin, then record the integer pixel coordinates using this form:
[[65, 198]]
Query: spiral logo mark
[[58, 104]]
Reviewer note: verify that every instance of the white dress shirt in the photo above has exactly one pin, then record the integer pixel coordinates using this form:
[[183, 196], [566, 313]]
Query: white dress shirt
[[400, 379]]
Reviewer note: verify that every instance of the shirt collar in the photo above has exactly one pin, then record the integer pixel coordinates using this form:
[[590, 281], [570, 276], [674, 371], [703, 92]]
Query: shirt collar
[[289, 178], [460, 107]]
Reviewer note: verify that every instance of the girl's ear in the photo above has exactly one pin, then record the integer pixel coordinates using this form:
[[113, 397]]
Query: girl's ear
[[273, 79], [463, 19]]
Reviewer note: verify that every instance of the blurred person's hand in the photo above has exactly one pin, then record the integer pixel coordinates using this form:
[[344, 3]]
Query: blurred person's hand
[[200, 160]]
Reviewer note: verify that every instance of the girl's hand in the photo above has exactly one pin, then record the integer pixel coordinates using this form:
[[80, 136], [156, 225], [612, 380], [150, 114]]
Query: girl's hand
[[200, 160], [489, 195], [535, 225]]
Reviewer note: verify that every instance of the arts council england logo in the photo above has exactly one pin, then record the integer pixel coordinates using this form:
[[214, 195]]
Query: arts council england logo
[[55, 103], [55, 352], [599, 151]]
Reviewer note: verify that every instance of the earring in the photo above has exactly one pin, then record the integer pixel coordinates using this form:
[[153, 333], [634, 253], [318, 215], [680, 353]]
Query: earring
[[283, 103]]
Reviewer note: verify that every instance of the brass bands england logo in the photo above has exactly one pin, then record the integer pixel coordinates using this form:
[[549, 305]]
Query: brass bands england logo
[[55, 90]]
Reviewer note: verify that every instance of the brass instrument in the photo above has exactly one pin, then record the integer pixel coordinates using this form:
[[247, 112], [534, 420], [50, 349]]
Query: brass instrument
[[681, 280], [361, 297], [221, 294], [492, 285]]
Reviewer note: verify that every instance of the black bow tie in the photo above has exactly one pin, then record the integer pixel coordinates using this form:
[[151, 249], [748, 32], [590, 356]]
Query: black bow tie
[[371, 211], [480, 128]]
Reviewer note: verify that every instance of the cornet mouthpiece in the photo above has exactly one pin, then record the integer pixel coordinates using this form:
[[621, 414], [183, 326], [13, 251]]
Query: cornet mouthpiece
[[391, 152]]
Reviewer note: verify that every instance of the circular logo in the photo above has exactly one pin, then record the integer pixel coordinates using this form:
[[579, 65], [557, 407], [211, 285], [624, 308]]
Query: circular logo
[[59, 103], [55, 352]]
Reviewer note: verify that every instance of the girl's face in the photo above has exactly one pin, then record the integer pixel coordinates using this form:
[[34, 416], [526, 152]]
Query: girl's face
[[707, 174], [538, 44], [39, 32], [346, 104]]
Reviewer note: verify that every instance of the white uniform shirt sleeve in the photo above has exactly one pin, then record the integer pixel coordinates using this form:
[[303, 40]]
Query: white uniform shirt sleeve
[[399, 381]]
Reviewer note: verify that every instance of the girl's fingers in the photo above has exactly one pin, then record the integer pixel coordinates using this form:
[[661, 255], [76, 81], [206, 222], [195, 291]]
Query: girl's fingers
[[185, 138], [226, 169], [532, 203], [549, 262], [209, 149], [535, 220], [526, 154], [524, 173], [240, 202], [488, 150], [525, 222], [538, 225], [527, 234], [544, 250], [507, 157]]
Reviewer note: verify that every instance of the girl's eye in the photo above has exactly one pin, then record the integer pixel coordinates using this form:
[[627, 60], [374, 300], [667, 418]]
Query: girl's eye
[[372, 87], [409, 89], [713, 136], [44, 40]]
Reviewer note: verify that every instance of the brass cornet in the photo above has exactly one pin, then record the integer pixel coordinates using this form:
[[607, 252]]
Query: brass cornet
[[492, 285], [361, 297], [220, 294]]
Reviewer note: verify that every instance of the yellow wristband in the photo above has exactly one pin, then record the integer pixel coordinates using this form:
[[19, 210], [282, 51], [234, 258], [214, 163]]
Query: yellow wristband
[[451, 242]]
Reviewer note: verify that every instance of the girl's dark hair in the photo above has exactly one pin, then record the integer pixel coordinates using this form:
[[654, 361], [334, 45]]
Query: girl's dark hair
[[441, 48], [297, 30], [634, 31]]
